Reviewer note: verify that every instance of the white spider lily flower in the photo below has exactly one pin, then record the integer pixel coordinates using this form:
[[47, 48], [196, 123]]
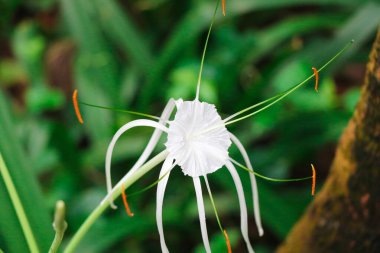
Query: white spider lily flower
[[198, 142]]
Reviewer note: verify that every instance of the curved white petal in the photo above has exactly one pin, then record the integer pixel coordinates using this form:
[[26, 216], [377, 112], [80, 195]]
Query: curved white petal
[[242, 204], [252, 177], [153, 140], [166, 167], [155, 137], [201, 211], [126, 127]]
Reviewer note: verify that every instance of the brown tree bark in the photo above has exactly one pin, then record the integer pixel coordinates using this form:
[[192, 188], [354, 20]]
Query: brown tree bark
[[345, 215]]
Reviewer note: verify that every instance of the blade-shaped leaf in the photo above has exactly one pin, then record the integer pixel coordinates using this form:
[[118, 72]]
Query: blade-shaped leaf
[[28, 190]]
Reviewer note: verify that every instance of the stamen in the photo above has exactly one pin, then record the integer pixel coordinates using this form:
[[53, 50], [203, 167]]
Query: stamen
[[316, 78], [75, 103], [314, 180], [213, 203], [121, 110], [217, 216], [127, 209], [282, 95], [224, 7], [227, 241], [269, 178]]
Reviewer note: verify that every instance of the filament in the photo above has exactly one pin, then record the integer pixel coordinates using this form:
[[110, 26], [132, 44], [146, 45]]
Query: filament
[[213, 204], [204, 51], [269, 178], [217, 216], [76, 107], [152, 184], [121, 110]]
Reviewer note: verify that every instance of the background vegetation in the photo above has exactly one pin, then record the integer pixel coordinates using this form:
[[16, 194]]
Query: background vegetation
[[136, 55]]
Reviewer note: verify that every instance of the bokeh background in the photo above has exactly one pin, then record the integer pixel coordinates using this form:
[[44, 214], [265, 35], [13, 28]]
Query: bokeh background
[[136, 55]]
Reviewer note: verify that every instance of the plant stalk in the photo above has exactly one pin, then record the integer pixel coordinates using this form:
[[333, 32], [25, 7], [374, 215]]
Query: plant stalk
[[59, 225], [126, 181]]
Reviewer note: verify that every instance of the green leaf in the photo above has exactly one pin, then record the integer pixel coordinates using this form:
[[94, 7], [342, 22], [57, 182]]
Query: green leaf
[[10, 72], [29, 46], [257, 44], [27, 186], [40, 98], [120, 28], [280, 209]]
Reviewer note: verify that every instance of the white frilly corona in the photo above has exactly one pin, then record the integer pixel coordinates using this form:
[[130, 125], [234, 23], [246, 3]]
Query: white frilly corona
[[197, 146]]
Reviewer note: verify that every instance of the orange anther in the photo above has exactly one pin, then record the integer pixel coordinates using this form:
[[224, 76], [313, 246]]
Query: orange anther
[[224, 7], [316, 78], [227, 241], [127, 209], [314, 180], [76, 107]]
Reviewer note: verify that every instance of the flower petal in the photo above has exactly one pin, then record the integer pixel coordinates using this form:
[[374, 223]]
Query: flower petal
[[155, 137], [166, 167], [126, 127], [243, 206], [153, 140], [201, 211], [252, 177]]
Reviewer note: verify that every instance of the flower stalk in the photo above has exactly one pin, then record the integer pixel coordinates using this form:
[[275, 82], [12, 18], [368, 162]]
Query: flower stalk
[[59, 225], [127, 181]]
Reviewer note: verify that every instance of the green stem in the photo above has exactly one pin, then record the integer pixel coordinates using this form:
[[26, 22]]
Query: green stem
[[56, 242], [59, 226], [126, 182], [31, 241]]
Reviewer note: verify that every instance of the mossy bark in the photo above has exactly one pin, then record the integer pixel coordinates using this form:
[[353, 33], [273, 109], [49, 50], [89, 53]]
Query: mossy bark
[[345, 215]]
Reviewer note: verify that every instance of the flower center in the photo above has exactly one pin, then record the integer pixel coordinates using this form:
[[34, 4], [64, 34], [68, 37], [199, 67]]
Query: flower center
[[197, 138]]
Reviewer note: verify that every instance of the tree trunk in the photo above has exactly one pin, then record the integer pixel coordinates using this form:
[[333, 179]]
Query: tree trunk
[[345, 215]]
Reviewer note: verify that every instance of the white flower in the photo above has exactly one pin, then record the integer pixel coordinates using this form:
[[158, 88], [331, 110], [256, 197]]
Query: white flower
[[198, 152], [198, 142]]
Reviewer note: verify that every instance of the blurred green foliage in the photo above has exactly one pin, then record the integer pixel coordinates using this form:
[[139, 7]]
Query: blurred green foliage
[[136, 55]]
